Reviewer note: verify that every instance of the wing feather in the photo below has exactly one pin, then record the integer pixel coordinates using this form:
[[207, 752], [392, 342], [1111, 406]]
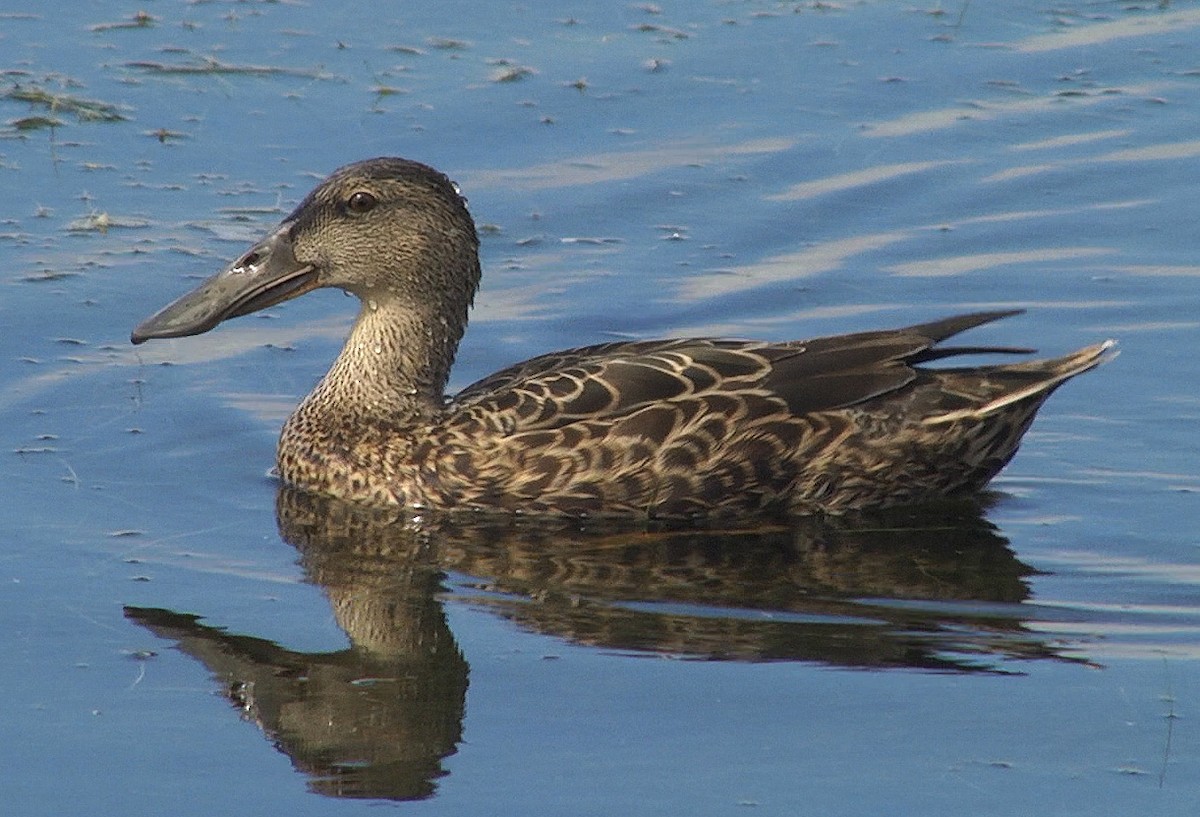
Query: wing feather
[[612, 381]]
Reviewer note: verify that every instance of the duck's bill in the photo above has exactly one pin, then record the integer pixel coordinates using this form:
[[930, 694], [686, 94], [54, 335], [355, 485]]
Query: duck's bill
[[264, 276]]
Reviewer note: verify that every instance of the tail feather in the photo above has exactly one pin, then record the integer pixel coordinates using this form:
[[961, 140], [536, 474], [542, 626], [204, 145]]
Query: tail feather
[[941, 352], [1056, 372]]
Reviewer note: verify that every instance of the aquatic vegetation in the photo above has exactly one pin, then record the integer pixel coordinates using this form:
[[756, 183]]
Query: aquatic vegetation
[[85, 110], [102, 222], [29, 123], [208, 65], [140, 19]]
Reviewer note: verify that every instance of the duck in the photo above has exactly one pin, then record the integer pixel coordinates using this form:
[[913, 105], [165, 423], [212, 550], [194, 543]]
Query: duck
[[659, 429]]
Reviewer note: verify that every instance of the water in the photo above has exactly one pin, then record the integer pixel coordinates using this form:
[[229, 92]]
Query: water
[[756, 169]]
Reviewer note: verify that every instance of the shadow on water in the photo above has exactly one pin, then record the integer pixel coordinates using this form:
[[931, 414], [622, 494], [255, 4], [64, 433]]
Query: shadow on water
[[935, 590]]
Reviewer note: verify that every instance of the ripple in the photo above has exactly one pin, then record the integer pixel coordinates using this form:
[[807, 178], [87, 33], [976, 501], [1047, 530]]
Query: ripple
[[1096, 33]]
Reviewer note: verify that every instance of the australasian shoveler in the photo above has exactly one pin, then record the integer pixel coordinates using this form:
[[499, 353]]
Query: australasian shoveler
[[659, 428]]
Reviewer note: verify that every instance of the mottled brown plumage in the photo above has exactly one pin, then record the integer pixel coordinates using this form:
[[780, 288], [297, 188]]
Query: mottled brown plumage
[[666, 428]]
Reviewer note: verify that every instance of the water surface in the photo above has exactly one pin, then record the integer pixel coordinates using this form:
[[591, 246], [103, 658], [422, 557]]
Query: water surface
[[744, 168]]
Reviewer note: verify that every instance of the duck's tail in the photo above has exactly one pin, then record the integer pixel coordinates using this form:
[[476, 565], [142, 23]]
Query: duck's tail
[[1035, 379]]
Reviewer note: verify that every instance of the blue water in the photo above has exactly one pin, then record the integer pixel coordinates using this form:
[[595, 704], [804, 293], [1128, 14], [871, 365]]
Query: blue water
[[754, 169]]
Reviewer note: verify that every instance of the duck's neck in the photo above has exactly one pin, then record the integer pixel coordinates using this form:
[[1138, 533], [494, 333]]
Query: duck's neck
[[393, 367]]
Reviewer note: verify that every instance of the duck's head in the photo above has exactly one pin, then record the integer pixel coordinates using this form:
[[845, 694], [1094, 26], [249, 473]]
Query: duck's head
[[390, 231]]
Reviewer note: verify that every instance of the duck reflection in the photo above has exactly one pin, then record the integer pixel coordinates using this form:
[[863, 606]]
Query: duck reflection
[[935, 589], [374, 720]]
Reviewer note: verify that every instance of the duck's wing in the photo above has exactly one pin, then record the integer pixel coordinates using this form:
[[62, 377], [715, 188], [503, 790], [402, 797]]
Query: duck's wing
[[613, 380]]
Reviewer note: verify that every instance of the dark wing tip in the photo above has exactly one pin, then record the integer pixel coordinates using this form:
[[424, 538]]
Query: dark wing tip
[[939, 330]]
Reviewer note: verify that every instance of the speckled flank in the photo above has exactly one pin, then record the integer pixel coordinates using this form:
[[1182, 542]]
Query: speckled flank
[[653, 428]]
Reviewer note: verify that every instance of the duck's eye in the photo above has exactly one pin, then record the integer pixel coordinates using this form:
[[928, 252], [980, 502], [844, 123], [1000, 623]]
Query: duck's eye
[[361, 202]]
